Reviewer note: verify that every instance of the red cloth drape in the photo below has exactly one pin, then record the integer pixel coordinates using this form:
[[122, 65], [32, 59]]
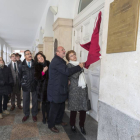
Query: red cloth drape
[[93, 46]]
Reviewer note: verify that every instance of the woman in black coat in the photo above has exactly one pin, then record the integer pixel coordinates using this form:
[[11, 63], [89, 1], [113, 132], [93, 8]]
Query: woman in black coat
[[41, 77], [6, 84]]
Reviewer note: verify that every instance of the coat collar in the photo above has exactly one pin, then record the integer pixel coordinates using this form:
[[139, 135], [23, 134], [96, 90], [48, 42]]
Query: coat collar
[[60, 59], [24, 62]]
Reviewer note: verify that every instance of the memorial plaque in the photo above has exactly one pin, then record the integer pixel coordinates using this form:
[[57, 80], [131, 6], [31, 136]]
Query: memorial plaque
[[123, 26]]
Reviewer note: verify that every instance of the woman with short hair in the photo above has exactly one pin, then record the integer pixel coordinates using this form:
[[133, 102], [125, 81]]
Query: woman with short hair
[[6, 84], [42, 77], [78, 95]]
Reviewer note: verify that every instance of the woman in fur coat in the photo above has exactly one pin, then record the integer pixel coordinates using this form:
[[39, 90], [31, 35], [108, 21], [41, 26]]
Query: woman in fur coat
[[6, 85], [41, 77]]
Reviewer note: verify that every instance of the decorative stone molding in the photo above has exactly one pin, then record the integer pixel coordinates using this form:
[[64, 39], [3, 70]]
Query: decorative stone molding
[[48, 48], [33, 54], [48, 39], [63, 32], [39, 48], [62, 22]]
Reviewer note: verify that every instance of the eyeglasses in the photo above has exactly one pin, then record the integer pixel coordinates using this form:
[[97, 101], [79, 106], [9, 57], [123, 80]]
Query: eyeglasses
[[28, 54], [72, 55]]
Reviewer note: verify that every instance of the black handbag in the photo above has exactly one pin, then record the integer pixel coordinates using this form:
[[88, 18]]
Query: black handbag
[[88, 101], [88, 105]]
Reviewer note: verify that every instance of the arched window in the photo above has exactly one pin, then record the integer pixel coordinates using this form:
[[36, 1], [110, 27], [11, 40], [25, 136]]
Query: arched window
[[83, 4]]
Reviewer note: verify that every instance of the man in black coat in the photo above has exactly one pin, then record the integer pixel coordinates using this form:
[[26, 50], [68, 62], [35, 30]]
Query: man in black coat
[[58, 87], [14, 66], [26, 70]]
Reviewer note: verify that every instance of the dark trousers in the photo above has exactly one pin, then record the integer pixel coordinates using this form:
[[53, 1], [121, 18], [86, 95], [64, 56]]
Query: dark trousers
[[38, 104], [82, 117], [26, 103], [56, 113], [4, 106], [45, 109], [17, 92]]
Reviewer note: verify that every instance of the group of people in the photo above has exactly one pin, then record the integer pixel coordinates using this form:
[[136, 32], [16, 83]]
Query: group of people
[[10, 83], [50, 83]]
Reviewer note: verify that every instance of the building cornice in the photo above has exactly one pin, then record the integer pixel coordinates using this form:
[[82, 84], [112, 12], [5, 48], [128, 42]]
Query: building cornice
[[63, 22], [48, 39], [40, 46]]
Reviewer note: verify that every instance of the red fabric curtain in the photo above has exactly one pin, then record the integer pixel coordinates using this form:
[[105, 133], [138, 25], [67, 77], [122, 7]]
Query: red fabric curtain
[[93, 46]]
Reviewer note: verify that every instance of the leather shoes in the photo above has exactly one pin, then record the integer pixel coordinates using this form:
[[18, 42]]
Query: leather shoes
[[20, 107], [64, 124], [54, 129], [25, 118], [34, 118], [73, 128], [44, 120], [12, 108], [83, 130]]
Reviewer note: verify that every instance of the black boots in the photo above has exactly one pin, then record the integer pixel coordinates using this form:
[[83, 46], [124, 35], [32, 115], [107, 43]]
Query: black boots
[[83, 130], [44, 120], [73, 128], [45, 109]]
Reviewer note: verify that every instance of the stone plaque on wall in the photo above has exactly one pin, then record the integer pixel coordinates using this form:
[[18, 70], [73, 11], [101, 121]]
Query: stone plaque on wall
[[123, 26]]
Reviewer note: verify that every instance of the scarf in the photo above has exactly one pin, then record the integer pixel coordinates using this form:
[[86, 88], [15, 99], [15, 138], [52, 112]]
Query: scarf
[[82, 80], [44, 64]]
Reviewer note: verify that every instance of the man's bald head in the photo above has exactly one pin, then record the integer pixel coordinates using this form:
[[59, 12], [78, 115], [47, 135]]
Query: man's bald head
[[60, 51]]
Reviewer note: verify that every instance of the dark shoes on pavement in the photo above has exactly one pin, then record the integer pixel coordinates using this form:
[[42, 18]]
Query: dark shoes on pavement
[[73, 128], [12, 108], [44, 120], [54, 129], [25, 118], [34, 118], [83, 130], [64, 124], [20, 107]]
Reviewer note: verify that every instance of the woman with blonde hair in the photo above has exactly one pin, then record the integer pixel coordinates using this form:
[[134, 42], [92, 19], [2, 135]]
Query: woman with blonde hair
[[6, 84]]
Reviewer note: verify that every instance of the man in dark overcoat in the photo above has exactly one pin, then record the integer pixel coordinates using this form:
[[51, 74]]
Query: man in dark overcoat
[[14, 66], [58, 87], [26, 69]]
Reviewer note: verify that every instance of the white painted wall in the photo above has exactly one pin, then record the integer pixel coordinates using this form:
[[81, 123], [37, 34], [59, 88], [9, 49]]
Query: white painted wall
[[46, 23], [0, 50], [86, 20], [41, 36], [49, 24], [5, 49], [120, 75], [66, 9]]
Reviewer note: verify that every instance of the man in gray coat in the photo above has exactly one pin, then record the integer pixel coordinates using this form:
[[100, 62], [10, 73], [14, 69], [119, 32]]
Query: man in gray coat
[[13, 65]]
